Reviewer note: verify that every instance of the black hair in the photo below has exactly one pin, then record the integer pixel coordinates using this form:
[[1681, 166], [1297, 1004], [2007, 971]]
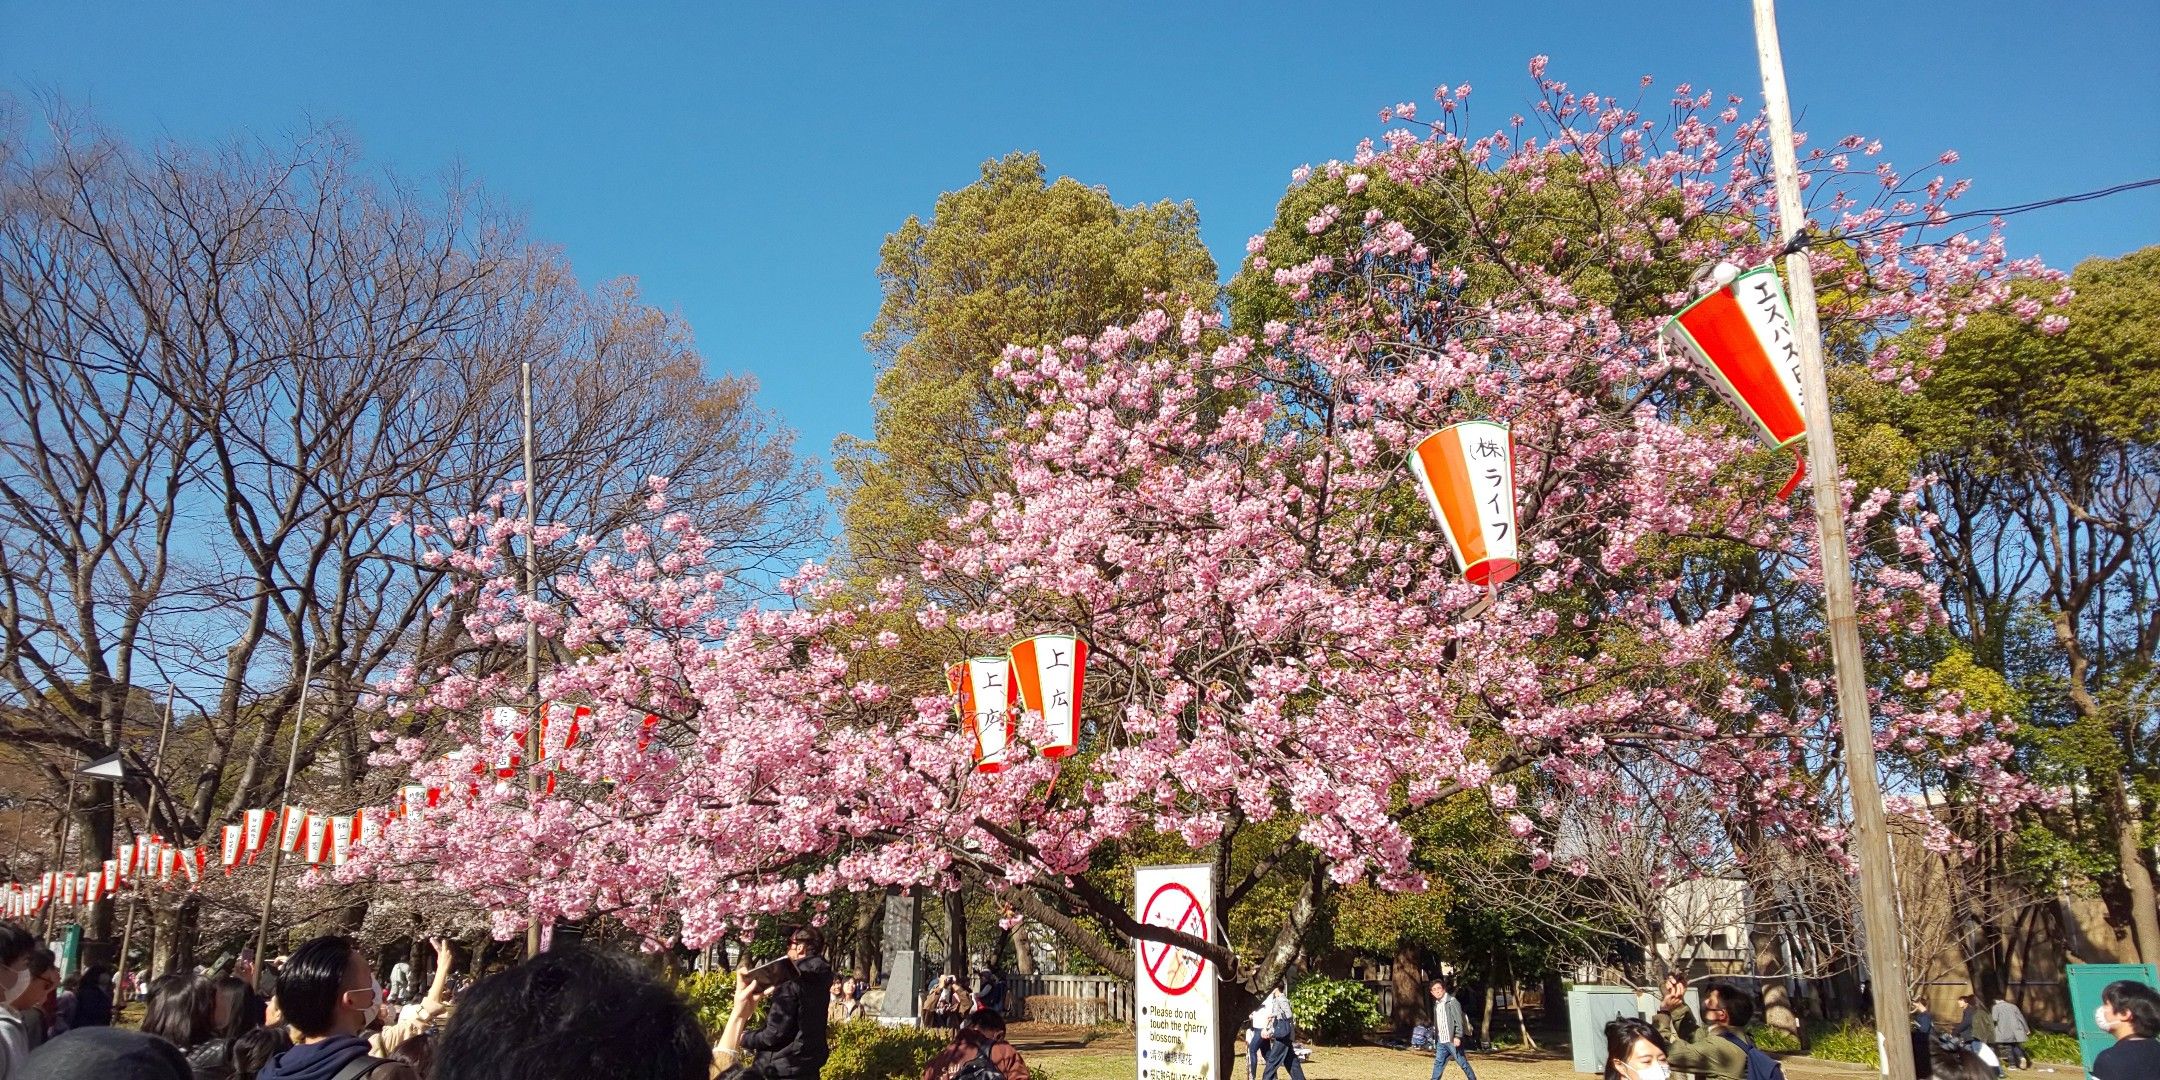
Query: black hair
[[14, 942], [810, 938], [312, 981], [181, 1010], [250, 1052], [2141, 1003], [41, 961], [233, 994], [1442, 982], [1739, 1004], [985, 1020], [1621, 1035], [573, 1013], [89, 976], [1958, 1065], [418, 1052]]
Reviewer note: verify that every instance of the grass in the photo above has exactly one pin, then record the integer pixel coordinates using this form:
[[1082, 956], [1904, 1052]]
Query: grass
[[2053, 1047]]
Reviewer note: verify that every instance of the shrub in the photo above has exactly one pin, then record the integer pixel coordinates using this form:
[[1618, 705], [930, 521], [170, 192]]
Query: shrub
[[1848, 1040], [711, 994], [2053, 1046], [868, 1050], [1334, 1010], [1773, 1040]]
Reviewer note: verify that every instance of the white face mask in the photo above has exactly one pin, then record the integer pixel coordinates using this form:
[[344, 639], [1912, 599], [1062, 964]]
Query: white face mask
[[1659, 1071], [2102, 1019], [18, 981], [374, 998]]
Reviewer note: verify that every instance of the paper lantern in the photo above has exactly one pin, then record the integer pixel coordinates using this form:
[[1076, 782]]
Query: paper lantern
[[1049, 671], [341, 837], [1741, 333], [229, 846], [1467, 472], [317, 845], [367, 827], [559, 724], [191, 862], [982, 688], [255, 834], [111, 874], [292, 830]]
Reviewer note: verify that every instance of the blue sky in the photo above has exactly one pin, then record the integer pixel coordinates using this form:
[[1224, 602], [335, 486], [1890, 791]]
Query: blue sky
[[744, 161]]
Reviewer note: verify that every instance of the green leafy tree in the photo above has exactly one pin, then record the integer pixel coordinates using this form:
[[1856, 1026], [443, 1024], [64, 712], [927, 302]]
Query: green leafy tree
[[2043, 436], [1010, 259]]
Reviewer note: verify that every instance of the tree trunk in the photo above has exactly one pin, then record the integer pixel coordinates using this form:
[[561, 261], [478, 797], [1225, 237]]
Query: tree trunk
[[1407, 978], [2144, 912], [1777, 1010], [956, 951], [1522, 1025], [1023, 950], [1234, 1006]]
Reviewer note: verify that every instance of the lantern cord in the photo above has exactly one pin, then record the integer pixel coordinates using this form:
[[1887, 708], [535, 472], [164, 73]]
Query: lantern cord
[[1804, 238], [1799, 470]]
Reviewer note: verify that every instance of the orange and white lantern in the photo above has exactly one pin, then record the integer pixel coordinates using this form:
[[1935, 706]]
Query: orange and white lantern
[[1741, 334], [192, 862], [367, 827], [318, 839], [255, 834], [982, 687], [229, 848], [1048, 671], [1467, 472], [293, 837], [111, 874]]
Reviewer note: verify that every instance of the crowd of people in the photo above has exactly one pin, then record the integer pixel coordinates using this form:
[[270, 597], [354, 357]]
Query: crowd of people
[[577, 1013]]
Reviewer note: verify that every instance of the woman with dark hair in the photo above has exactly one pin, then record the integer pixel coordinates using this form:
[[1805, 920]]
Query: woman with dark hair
[[234, 1015], [417, 1051], [93, 998], [1634, 1051], [182, 1011], [252, 1051]]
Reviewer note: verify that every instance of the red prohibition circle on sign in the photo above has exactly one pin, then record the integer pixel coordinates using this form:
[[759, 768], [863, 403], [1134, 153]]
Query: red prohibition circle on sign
[[1179, 910]]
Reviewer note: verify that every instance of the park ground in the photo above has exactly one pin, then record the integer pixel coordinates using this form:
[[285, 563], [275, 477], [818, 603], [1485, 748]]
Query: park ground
[[1068, 1053]]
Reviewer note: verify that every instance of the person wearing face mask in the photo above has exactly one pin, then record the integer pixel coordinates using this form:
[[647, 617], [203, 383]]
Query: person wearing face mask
[[1635, 1051], [327, 993], [2130, 1011], [1717, 1046], [16, 945]]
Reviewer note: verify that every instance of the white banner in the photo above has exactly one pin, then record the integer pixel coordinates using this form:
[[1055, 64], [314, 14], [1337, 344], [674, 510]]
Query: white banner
[[1174, 991]]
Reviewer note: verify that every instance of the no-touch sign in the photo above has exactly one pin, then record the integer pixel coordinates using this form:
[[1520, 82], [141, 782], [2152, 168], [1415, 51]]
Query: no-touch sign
[[1175, 993], [1172, 969]]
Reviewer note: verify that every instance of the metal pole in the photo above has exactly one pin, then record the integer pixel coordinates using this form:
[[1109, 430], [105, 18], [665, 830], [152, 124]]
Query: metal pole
[[1877, 885], [532, 629], [277, 850]]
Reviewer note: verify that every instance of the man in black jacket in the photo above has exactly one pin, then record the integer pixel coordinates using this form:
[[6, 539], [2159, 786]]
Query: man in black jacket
[[791, 1045]]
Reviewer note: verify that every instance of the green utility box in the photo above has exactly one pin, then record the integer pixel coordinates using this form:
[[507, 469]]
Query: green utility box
[[1589, 1009], [2086, 982]]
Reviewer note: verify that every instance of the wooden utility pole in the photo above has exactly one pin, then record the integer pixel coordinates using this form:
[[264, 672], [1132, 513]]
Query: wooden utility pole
[[277, 825], [1871, 838], [532, 628]]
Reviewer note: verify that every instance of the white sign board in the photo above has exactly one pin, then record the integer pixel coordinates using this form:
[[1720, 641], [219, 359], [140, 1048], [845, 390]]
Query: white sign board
[[1174, 991]]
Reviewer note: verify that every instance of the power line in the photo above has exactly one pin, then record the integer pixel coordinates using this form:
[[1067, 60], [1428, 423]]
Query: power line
[[1806, 238]]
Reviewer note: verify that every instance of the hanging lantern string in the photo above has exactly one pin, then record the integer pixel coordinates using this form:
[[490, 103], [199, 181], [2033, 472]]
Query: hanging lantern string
[[1807, 238]]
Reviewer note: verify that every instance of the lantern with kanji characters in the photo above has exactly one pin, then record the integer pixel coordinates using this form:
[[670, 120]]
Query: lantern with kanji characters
[[1048, 671], [229, 847], [1467, 473], [255, 834], [341, 838], [1741, 334], [982, 689]]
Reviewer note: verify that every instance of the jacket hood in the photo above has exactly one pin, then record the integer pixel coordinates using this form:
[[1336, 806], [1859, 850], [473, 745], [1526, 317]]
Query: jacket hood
[[314, 1061]]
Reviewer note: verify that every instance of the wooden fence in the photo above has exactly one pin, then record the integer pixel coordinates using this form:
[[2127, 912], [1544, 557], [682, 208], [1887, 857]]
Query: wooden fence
[[1109, 997]]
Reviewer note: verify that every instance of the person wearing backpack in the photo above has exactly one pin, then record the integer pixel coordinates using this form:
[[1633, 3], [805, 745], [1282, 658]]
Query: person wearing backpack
[[328, 994], [978, 1051], [1718, 1045], [1281, 1037]]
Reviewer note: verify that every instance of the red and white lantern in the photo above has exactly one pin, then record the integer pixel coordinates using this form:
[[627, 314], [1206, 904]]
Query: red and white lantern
[[111, 876], [341, 838], [255, 834], [982, 687], [1741, 334], [229, 848], [318, 839], [1049, 671], [292, 833], [1467, 474], [367, 826]]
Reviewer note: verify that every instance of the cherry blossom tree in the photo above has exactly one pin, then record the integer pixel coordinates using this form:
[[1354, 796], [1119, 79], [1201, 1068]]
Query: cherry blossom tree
[[1280, 636]]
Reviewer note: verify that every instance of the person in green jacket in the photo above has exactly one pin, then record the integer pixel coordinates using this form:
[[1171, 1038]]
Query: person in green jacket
[[1702, 1048]]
